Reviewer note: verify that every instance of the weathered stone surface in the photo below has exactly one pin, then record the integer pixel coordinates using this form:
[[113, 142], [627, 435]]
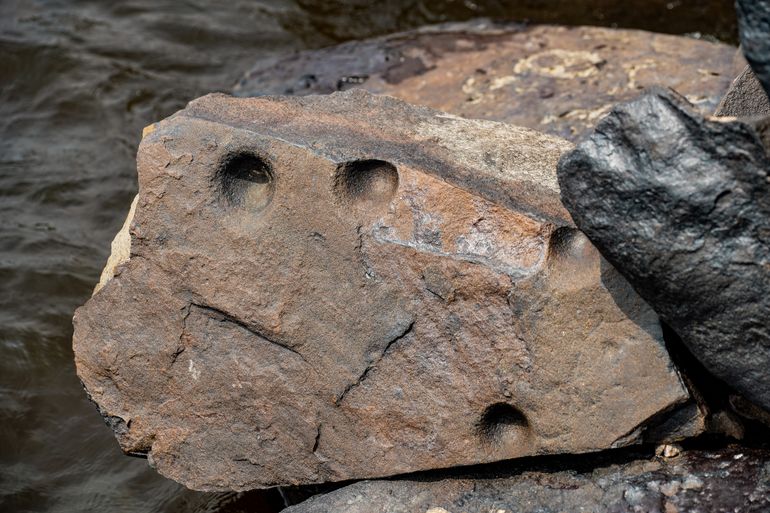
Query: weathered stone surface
[[559, 80], [681, 205], [730, 479], [327, 288], [744, 98], [754, 26]]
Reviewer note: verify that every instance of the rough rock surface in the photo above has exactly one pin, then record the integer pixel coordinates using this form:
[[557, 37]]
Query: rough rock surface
[[745, 97], [734, 479], [559, 80], [327, 288], [754, 26], [681, 205]]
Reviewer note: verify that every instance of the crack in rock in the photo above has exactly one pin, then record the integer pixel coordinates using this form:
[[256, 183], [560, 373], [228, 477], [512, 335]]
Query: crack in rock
[[224, 316], [373, 364]]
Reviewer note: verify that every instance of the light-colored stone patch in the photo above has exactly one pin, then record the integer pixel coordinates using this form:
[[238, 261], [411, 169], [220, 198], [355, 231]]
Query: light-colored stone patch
[[560, 63], [528, 155], [120, 249]]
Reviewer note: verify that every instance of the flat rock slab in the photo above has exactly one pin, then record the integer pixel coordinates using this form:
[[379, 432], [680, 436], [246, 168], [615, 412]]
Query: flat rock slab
[[681, 205], [558, 80], [341, 287], [730, 479]]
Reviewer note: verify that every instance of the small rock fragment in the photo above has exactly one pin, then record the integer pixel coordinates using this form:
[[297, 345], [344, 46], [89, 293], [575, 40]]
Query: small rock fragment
[[748, 410], [668, 450], [687, 421], [692, 483], [670, 488], [726, 423]]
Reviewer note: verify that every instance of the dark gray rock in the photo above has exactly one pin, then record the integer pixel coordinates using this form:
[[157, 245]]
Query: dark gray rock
[[754, 26], [681, 206], [731, 479]]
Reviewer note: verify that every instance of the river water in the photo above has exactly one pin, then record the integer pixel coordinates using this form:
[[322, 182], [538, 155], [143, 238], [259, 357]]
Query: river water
[[78, 81]]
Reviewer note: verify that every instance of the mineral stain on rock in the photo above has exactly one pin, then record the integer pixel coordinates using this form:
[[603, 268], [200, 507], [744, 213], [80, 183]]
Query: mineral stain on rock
[[340, 287]]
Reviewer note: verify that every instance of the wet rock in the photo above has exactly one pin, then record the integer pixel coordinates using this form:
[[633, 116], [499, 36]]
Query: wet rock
[[681, 205], [328, 288], [754, 26], [559, 80], [745, 97], [730, 479]]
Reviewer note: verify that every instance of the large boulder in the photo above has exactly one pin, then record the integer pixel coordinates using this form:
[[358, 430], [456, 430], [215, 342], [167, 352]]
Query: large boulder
[[729, 479], [555, 79], [327, 288], [681, 205]]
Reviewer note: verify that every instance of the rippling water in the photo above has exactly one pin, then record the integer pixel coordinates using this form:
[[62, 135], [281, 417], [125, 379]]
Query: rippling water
[[78, 81]]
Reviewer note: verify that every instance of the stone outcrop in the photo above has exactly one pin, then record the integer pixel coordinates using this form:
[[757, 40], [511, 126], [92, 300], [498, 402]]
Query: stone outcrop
[[558, 80], [328, 288], [729, 479], [681, 205]]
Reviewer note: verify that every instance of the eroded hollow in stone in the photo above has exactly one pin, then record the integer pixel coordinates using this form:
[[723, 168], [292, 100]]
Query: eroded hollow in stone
[[367, 182], [500, 420], [245, 180], [567, 243]]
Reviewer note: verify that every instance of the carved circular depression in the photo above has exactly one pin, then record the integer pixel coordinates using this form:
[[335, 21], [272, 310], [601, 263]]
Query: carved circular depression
[[499, 421], [366, 182], [245, 180]]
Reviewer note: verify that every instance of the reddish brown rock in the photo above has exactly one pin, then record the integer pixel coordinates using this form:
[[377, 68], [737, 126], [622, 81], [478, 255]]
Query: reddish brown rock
[[559, 80], [329, 288]]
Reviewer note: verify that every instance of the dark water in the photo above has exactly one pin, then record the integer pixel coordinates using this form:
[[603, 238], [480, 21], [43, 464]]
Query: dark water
[[78, 81]]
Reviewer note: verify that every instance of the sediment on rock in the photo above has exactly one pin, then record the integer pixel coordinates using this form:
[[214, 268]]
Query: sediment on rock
[[348, 286]]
